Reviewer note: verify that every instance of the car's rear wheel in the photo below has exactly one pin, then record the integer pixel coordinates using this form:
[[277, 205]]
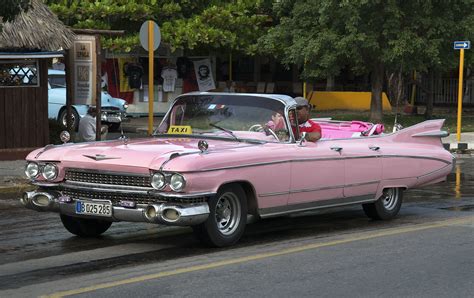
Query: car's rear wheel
[[84, 227], [387, 206], [227, 218], [75, 118]]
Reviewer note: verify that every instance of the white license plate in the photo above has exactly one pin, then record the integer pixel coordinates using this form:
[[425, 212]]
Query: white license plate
[[114, 119], [94, 208]]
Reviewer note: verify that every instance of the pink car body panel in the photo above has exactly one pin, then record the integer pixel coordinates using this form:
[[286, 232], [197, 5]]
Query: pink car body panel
[[279, 175]]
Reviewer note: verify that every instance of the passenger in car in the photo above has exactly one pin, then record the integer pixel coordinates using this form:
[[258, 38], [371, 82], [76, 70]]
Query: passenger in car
[[312, 129], [277, 122]]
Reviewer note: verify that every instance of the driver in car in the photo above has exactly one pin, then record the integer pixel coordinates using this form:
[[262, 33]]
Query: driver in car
[[312, 129]]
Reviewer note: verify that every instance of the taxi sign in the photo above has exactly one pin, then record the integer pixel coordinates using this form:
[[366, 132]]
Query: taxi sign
[[459, 45], [180, 129]]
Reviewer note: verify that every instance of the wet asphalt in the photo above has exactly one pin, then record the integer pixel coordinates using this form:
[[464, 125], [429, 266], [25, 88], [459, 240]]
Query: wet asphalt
[[38, 256]]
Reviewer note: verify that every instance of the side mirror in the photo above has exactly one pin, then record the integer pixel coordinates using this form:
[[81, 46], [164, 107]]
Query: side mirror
[[303, 139]]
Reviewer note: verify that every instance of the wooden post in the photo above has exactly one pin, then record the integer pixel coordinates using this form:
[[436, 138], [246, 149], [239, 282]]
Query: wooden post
[[98, 98], [69, 67]]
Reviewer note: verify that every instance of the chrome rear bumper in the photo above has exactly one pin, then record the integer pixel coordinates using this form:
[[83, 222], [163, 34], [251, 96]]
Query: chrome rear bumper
[[160, 213]]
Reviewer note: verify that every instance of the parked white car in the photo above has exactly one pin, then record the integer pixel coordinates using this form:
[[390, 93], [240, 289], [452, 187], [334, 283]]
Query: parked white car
[[113, 109]]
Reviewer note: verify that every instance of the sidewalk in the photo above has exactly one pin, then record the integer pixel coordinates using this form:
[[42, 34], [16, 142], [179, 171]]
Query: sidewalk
[[13, 180], [467, 138]]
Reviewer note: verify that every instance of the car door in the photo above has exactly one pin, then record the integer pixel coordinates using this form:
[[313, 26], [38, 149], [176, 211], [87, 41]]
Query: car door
[[363, 166], [317, 174]]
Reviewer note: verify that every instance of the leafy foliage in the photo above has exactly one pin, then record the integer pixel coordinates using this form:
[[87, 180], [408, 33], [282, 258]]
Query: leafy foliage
[[369, 36], [186, 24]]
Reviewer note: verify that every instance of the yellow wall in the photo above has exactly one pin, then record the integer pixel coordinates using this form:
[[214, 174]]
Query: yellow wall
[[345, 100]]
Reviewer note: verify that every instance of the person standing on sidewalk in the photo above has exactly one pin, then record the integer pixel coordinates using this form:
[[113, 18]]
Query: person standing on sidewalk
[[87, 127]]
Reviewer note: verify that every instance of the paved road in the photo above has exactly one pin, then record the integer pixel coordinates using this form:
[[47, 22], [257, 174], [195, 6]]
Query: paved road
[[426, 252]]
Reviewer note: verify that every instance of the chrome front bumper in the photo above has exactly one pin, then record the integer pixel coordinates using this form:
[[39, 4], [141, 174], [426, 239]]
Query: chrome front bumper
[[159, 213], [113, 116]]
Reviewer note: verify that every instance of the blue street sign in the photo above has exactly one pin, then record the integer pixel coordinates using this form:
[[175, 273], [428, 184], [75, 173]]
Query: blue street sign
[[458, 45]]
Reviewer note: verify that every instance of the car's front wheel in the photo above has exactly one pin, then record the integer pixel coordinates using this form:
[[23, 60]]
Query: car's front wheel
[[387, 206], [84, 227], [227, 219], [75, 119]]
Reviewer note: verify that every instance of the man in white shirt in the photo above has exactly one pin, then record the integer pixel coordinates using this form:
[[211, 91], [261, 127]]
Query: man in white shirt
[[87, 127]]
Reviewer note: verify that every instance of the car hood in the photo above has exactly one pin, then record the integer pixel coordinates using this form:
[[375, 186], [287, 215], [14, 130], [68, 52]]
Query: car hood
[[134, 156]]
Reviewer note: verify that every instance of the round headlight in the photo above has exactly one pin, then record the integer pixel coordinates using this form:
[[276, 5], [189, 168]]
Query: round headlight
[[125, 106], [32, 170], [158, 181], [177, 182], [50, 171]]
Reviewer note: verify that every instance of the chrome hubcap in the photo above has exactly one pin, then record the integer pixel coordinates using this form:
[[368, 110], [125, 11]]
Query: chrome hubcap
[[228, 213], [73, 118], [390, 198]]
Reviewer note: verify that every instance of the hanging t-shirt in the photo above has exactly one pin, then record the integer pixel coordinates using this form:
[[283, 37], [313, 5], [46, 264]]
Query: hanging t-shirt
[[169, 76], [134, 72]]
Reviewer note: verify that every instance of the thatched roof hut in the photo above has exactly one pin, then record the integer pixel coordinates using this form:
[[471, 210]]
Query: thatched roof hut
[[37, 29]]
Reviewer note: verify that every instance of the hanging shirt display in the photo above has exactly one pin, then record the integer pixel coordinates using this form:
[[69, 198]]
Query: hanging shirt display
[[134, 72], [169, 76], [204, 76]]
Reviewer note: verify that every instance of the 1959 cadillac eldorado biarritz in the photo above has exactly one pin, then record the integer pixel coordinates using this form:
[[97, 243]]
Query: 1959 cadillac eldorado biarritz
[[217, 159]]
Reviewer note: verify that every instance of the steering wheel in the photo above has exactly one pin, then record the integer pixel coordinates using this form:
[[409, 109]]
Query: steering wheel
[[261, 128], [256, 127], [268, 129]]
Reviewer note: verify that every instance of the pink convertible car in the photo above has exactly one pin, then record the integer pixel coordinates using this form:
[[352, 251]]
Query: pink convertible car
[[214, 161]]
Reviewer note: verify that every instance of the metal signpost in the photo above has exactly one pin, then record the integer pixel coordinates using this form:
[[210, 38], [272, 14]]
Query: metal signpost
[[150, 38], [460, 45]]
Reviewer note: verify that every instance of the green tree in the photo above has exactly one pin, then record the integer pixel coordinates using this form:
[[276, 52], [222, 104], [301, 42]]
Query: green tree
[[369, 36], [11, 8], [186, 24]]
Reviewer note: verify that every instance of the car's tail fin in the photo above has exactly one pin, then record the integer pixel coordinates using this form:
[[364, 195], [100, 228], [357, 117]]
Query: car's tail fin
[[427, 132]]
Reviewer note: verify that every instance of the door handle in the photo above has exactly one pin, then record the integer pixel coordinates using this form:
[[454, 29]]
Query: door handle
[[337, 149], [374, 148]]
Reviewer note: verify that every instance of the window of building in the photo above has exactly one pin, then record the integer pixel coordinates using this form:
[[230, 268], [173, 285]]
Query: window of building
[[23, 73]]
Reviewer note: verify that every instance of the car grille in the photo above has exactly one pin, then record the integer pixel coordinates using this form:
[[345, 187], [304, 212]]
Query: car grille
[[107, 178], [115, 198]]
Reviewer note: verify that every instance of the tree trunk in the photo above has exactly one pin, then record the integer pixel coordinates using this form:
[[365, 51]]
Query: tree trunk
[[430, 98], [376, 98], [330, 83]]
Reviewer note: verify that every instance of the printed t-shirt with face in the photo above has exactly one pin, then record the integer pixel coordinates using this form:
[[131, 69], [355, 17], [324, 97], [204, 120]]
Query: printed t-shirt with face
[[169, 76]]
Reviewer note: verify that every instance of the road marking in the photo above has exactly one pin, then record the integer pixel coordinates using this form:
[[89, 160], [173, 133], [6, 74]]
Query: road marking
[[365, 236]]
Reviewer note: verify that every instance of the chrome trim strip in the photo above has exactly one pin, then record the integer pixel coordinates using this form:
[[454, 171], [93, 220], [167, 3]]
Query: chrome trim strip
[[362, 183], [273, 194], [107, 186], [109, 190], [430, 173], [106, 172], [275, 211], [42, 184], [433, 133], [126, 190], [316, 189], [181, 195], [315, 159], [175, 155]]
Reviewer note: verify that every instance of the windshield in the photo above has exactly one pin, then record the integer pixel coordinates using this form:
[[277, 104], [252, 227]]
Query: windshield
[[57, 81], [228, 116]]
